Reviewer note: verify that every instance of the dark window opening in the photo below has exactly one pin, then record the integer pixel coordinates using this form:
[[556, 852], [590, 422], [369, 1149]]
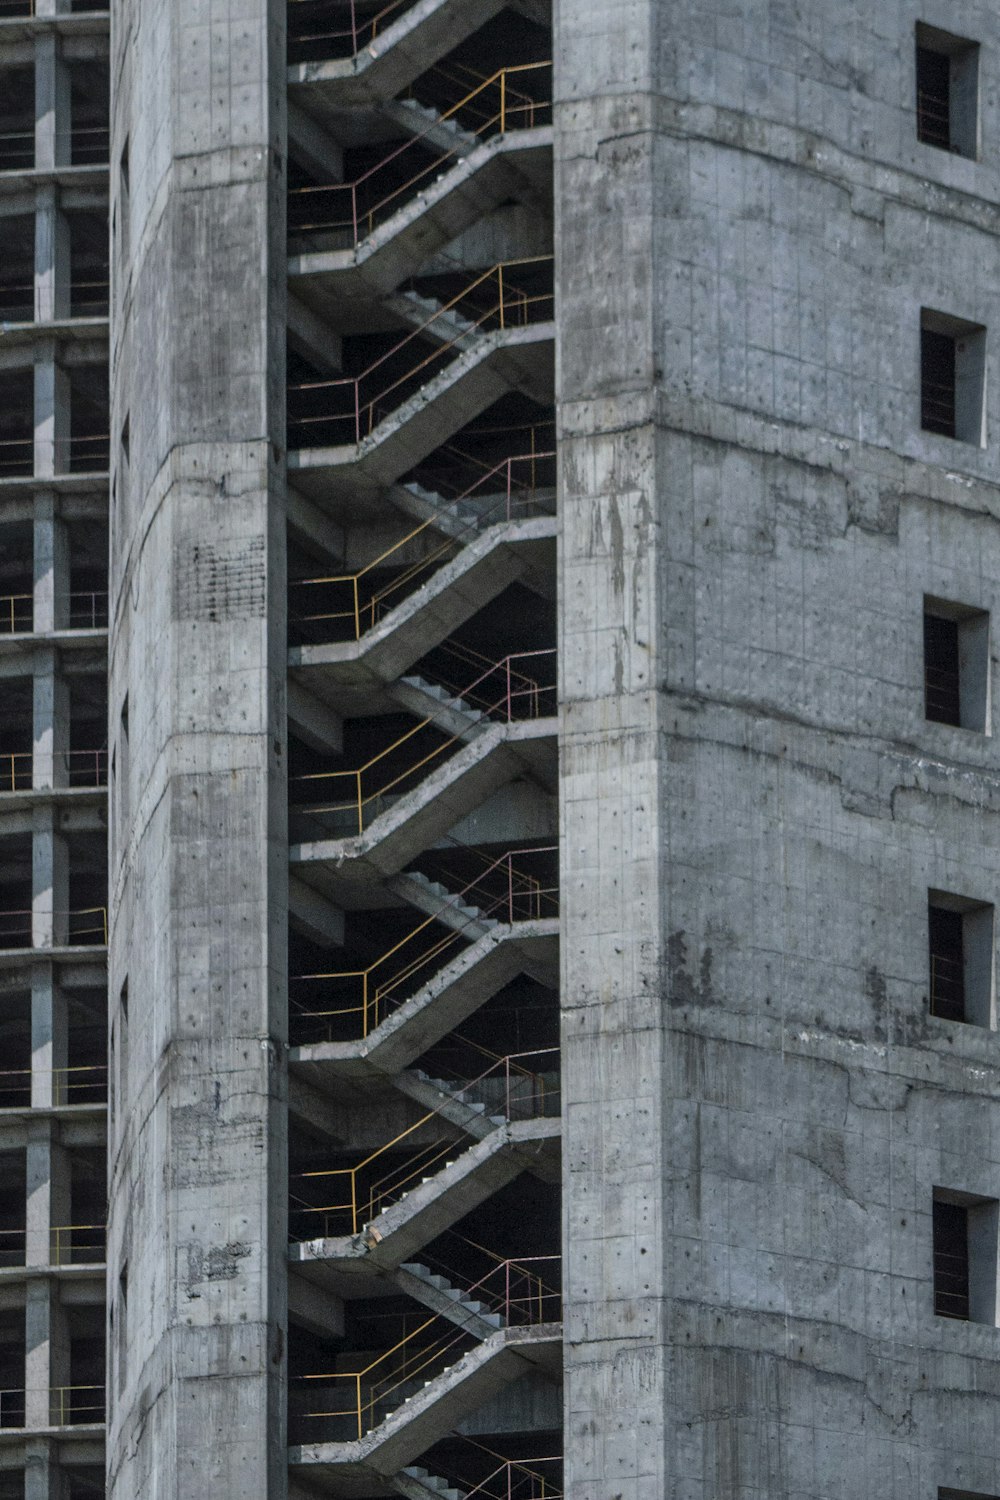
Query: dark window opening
[[937, 382], [947, 964], [933, 98], [951, 1260], [942, 675], [947, 91]]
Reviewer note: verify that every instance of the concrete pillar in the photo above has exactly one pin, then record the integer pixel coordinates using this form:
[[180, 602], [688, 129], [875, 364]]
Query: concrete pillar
[[48, 1193], [50, 720], [49, 881], [51, 565], [52, 413], [200, 866], [618, 1438], [49, 1037], [52, 104], [52, 256], [47, 1370], [43, 1479]]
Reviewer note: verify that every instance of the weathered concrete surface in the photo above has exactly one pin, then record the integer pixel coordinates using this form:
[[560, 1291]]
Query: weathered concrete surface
[[198, 1185], [758, 1104]]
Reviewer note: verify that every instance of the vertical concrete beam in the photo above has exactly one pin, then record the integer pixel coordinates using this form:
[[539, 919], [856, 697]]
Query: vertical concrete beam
[[199, 872], [50, 719], [49, 1037], [617, 1440], [46, 1342], [51, 565], [52, 256], [52, 104], [52, 412], [43, 1478], [49, 881]]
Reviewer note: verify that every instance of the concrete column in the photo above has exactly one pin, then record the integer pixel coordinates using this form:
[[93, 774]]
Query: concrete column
[[47, 1371], [52, 104], [201, 864], [618, 1436], [43, 1478], [52, 413], [48, 1191], [52, 256], [50, 718], [49, 1037], [51, 565], [49, 881]]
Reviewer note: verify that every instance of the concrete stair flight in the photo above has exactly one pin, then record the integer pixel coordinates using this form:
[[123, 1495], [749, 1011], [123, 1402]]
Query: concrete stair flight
[[471, 977], [389, 62], [489, 562], [432, 1411], [415, 819], [504, 360], [440, 1296], [420, 1484], [503, 169]]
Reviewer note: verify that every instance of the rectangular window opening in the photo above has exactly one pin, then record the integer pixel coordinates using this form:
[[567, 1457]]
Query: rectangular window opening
[[947, 74], [957, 686], [960, 936], [952, 377], [965, 1256]]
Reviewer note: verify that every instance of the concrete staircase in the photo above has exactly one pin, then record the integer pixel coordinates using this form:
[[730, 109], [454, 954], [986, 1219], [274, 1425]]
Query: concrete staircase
[[430, 1413], [455, 992], [403, 1228], [499, 170], [450, 1302], [505, 360], [414, 820], [485, 566], [389, 63], [420, 1484]]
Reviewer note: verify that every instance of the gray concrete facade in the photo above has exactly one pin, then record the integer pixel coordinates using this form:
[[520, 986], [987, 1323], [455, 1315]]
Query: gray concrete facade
[[760, 1108]]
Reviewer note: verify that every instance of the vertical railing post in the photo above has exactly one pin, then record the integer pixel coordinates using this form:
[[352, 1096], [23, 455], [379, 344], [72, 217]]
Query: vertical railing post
[[503, 102], [354, 1203], [510, 890], [354, 27], [500, 284], [510, 483], [357, 1380], [357, 411]]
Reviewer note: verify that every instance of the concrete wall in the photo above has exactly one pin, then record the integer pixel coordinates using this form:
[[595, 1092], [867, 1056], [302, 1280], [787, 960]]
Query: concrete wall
[[198, 838], [759, 1104]]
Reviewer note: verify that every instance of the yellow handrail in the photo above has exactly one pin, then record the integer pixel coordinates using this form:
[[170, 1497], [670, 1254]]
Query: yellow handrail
[[61, 1241]]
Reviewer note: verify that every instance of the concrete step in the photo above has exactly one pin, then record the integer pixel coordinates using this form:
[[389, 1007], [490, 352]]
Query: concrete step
[[496, 363], [471, 977], [450, 1301], [425, 122], [431, 1413], [389, 62]]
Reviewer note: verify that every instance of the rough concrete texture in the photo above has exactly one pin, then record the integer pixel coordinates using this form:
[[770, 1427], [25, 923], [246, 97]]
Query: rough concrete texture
[[199, 876], [758, 1104]]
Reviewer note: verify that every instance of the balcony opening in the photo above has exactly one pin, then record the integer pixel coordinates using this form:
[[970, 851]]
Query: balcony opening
[[88, 582], [965, 1256], [17, 757], [957, 688], [16, 578], [12, 1348], [81, 1403], [88, 731], [89, 441], [82, 1240], [15, 1049], [17, 270], [88, 891], [89, 275], [15, 891], [86, 1078], [17, 119], [84, 1481], [953, 377], [90, 135], [17, 423], [961, 941], [13, 1181], [947, 91]]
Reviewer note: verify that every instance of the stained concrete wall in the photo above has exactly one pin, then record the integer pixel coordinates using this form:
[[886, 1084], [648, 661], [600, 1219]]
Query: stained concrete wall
[[199, 874], [758, 1104]]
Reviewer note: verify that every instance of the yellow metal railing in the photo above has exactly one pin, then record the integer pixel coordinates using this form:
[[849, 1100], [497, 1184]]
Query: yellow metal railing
[[366, 801], [360, 206], [365, 401], [373, 1392], [85, 926], [76, 1405], [77, 1244], [65, 1081], [368, 602], [516, 1086], [373, 996]]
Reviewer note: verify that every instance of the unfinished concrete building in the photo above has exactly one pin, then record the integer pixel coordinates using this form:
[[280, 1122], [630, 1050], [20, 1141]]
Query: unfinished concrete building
[[542, 502], [53, 737]]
